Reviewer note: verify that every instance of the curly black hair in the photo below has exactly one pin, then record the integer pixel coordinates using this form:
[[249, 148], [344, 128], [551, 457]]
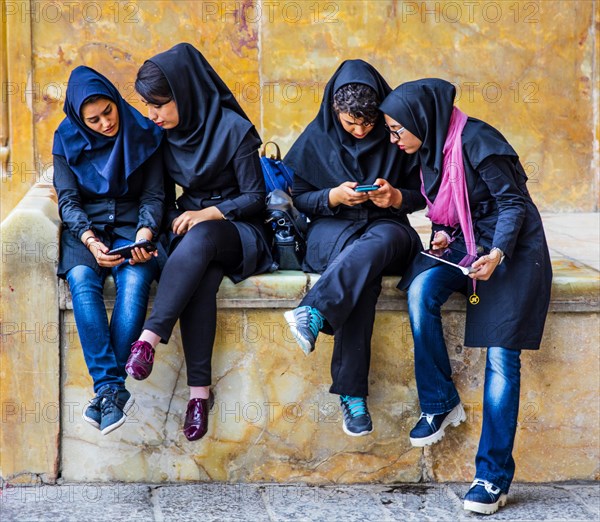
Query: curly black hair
[[358, 100]]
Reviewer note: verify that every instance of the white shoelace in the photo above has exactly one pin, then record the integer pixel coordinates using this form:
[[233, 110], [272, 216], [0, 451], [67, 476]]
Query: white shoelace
[[489, 487], [428, 416]]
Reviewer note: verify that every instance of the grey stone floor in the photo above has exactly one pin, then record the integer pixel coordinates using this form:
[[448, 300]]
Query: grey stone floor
[[212, 502]]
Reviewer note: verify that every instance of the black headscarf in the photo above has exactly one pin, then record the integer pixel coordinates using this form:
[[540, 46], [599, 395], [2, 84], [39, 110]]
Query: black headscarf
[[101, 163], [424, 108], [211, 122], [325, 155]]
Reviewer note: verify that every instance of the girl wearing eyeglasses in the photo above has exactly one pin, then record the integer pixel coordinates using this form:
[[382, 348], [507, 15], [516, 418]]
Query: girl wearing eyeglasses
[[357, 191], [479, 205]]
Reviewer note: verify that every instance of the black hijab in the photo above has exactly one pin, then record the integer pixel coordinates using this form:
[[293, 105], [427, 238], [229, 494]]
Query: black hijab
[[325, 155], [211, 122], [424, 108], [102, 164]]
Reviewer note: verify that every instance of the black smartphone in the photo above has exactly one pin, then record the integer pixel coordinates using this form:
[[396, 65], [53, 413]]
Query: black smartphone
[[365, 188], [125, 251]]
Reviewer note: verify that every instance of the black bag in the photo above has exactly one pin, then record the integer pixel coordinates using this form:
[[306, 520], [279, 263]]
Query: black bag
[[289, 227]]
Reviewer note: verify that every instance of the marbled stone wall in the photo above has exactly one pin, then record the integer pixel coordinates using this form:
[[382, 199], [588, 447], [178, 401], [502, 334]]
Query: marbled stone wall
[[527, 67], [275, 421]]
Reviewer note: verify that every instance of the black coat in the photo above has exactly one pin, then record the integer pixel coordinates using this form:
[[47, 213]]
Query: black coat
[[108, 216], [238, 191], [514, 301], [331, 230], [212, 155], [325, 156]]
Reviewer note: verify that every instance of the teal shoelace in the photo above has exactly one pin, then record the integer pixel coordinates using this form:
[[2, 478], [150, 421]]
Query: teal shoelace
[[316, 321], [356, 406]]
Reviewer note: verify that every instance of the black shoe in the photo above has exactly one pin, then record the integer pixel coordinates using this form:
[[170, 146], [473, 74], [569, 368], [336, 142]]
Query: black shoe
[[305, 323], [115, 404], [431, 428], [483, 497], [357, 421]]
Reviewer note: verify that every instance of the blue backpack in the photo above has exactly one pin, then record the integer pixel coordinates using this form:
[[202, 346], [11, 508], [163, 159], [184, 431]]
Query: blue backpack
[[276, 174]]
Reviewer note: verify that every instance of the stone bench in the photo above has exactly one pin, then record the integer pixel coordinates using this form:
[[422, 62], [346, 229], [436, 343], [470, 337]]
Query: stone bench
[[274, 419]]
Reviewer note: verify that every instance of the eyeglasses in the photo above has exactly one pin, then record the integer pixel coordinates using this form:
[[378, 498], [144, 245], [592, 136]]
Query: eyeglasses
[[395, 133]]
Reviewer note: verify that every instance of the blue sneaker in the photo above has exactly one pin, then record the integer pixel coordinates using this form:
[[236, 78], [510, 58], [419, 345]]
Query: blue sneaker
[[357, 421], [305, 323], [116, 402], [431, 428], [483, 497], [92, 414]]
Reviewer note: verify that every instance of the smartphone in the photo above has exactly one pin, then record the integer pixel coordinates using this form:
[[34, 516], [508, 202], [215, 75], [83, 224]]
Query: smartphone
[[366, 188], [125, 251]]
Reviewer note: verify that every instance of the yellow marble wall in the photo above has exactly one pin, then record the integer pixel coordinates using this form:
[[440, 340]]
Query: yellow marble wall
[[30, 341], [525, 66], [274, 420]]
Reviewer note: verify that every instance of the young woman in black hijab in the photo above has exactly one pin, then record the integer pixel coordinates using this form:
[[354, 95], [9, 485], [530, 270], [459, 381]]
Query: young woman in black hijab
[[478, 202], [215, 226], [108, 174], [354, 237]]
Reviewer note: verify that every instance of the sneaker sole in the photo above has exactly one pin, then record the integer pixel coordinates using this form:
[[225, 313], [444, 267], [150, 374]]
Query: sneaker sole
[[439, 435], [361, 434], [122, 420], [485, 509], [302, 342]]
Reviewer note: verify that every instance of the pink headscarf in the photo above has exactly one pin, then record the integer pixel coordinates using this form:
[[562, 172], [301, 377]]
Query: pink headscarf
[[451, 205]]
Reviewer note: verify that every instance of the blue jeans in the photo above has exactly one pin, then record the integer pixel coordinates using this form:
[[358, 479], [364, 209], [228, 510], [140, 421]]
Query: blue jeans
[[433, 373], [106, 347]]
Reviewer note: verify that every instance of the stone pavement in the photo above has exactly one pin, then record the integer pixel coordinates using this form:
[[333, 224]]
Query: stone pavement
[[212, 502]]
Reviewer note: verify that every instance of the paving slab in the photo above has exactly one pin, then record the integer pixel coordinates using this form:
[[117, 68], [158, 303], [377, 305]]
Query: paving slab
[[76, 503], [421, 503], [308, 504], [211, 502], [537, 502]]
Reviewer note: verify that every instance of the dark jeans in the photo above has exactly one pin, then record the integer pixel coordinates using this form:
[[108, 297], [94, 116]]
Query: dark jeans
[[187, 291], [437, 393], [107, 346], [346, 294]]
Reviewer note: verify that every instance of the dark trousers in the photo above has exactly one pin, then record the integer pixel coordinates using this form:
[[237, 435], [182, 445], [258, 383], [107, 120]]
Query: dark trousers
[[346, 295], [187, 291]]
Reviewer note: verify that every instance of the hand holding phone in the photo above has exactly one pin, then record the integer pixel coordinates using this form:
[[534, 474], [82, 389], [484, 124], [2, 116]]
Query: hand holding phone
[[366, 188], [126, 251]]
